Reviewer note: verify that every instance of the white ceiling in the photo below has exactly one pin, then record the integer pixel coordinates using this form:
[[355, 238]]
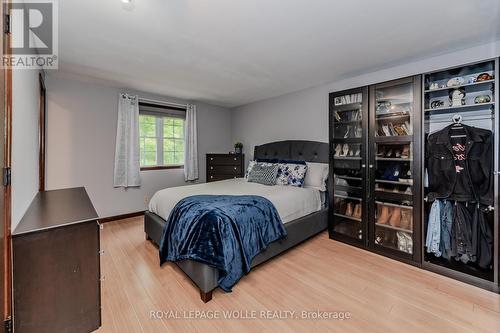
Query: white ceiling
[[232, 52]]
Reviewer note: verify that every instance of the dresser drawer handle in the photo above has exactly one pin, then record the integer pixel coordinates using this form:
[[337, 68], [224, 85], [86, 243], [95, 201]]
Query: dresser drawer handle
[[235, 158], [211, 168], [235, 168], [211, 158], [211, 177]]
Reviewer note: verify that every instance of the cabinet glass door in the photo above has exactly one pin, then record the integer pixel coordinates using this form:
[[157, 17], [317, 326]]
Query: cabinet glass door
[[348, 121], [392, 166]]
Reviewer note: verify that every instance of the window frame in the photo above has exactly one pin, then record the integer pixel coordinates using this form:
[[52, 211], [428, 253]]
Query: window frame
[[159, 117]]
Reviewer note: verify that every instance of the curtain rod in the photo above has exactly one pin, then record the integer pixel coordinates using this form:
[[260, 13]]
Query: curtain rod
[[147, 100]]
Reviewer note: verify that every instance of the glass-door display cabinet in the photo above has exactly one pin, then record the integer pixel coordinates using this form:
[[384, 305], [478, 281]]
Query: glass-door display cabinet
[[374, 148], [460, 213], [348, 124], [395, 150]]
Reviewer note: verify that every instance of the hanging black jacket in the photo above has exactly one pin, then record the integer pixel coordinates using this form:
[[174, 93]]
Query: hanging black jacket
[[440, 164]]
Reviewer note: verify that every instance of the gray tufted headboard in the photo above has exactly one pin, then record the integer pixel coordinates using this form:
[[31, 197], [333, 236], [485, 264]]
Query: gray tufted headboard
[[309, 151]]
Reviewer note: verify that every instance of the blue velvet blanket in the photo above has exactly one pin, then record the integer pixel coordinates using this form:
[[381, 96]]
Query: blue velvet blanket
[[223, 231]]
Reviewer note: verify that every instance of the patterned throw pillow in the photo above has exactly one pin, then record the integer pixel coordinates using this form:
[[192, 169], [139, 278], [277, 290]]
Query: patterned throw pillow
[[291, 174], [263, 174], [252, 163]]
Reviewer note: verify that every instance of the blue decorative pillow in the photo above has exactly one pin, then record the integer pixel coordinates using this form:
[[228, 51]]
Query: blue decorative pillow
[[291, 174], [263, 173]]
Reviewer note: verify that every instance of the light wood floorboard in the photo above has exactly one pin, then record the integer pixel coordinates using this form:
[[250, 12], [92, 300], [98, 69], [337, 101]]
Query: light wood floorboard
[[382, 295]]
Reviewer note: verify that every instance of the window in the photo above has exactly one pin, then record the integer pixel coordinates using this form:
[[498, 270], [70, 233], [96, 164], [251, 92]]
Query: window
[[161, 134]]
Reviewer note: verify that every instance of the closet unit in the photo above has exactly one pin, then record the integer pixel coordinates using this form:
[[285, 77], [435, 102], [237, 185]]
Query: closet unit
[[460, 225], [415, 166], [374, 140]]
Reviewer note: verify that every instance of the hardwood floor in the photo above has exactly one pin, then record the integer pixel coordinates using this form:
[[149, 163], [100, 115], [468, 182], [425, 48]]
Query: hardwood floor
[[381, 295]]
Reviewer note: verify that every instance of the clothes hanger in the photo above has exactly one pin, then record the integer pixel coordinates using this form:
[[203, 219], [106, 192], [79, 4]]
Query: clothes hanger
[[457, 124]]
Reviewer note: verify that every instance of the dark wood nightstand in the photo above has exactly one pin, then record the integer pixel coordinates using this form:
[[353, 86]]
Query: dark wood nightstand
[[225, 166]]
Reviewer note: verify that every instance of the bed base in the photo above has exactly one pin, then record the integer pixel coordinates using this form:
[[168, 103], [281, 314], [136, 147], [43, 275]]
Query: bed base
[[205, 277]]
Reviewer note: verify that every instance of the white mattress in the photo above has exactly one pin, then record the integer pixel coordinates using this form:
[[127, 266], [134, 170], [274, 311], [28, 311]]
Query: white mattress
[[291, 202]]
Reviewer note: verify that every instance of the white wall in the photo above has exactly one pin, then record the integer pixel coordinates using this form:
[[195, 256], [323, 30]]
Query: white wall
[[81, 133], [25, 117], [304, 114]]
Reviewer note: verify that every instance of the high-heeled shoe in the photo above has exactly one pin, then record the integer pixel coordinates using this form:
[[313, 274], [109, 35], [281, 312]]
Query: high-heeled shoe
[[357, 211], [383, 218], [408, 128], [385, 130], [358, 132], [406, 178], [338, 148], [348, 210], [395, 219], [345, 150], [346, 135], [406, 219], [337, 116], [406, 152], [342, 207]]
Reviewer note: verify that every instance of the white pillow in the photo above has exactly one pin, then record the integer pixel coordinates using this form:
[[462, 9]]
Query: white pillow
[[316, 175], [249, 168]]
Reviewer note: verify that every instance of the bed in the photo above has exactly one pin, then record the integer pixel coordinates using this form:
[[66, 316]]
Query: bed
[[303, 211]]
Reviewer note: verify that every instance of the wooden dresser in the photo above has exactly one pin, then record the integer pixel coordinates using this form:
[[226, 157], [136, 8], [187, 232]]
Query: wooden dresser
[[225, 166], [56, 264]]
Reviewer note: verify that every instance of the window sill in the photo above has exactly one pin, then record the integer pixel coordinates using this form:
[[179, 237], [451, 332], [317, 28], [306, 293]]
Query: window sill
[[162, 167]]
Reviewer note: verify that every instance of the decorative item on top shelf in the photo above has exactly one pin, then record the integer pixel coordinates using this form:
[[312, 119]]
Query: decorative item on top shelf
[[456, 81], [484, 77], [457, 97], [434, 86], [238, 147], [435, 104], [482, 99]]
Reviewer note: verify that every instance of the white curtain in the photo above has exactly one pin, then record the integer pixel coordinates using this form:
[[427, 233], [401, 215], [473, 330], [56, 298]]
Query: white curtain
[[127, 154], [191, 142]]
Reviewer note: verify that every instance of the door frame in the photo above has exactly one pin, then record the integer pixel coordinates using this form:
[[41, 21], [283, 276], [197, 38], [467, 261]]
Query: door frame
[[42, 131], [6, 141]]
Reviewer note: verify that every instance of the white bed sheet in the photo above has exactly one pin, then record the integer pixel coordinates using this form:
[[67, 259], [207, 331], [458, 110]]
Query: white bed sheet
[[291, 202]]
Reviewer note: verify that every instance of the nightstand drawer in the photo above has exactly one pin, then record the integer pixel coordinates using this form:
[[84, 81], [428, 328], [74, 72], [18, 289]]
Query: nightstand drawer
[[214, 178], [224, 159], [224, 169]]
